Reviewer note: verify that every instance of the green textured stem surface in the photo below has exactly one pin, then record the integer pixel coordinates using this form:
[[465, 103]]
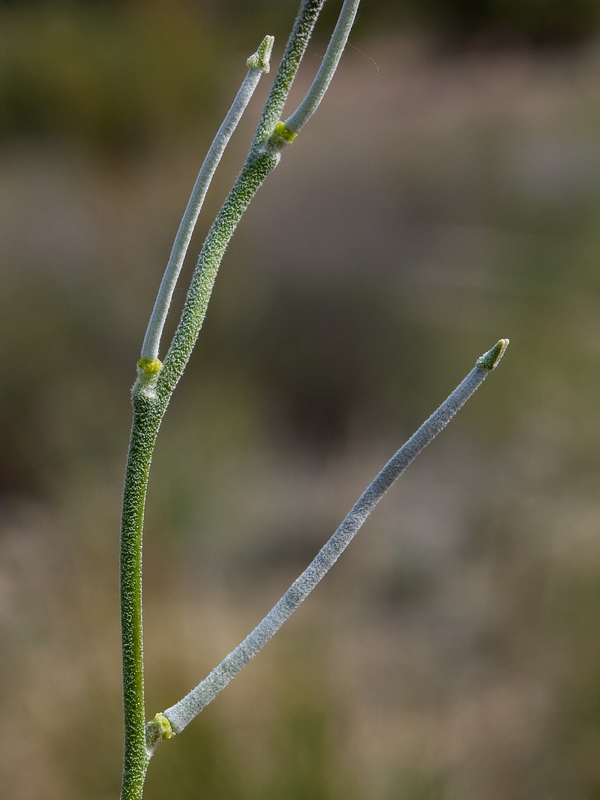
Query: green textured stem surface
[[253, 174], [258, 64], [151, 396], [329, 65], [156, 383], [292, 56], [146, 422]]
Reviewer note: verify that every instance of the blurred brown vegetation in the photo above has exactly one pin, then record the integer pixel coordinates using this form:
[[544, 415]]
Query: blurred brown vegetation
[[447, 194]]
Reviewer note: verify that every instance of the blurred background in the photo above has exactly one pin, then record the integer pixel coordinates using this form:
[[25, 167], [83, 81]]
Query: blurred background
[[446, 194]]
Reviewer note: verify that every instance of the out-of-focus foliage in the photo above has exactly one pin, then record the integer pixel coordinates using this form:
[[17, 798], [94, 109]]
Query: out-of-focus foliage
[[440, 199], [538, 22], [117, 76]]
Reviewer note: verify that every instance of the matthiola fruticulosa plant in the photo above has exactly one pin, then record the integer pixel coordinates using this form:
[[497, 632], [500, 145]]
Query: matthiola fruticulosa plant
[[157, 379]]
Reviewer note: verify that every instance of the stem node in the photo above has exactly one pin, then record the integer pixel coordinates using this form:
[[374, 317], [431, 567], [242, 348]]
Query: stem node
[[283, 132], [157, 729]]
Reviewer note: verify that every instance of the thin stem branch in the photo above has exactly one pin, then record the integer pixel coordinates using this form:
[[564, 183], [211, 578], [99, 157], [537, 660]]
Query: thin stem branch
[[330, 62], [156, 382], [175, 718], [258, 64], [292, 56]]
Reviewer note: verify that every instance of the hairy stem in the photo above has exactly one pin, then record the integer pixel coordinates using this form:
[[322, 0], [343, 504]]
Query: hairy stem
[[292, 56], [253, 174], [258, 63], [183, 712], [156, 382], [146, 422], [329, 65]]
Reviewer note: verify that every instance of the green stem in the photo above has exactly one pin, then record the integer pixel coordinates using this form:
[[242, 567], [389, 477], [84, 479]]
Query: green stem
[[146, 422], [258, 64], [292, 56], [329, 65], [151, 395], [156, 383]]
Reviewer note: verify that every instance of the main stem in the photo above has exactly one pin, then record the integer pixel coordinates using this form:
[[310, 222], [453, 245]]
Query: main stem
[[155, 385], [146, 422], [151, 396]]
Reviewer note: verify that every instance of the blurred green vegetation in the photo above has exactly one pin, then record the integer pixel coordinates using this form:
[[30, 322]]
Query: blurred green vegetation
[[444, 196], [118, 75]]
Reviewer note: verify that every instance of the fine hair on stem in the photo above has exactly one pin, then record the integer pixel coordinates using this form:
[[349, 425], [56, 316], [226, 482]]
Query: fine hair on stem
[[160, 368]]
